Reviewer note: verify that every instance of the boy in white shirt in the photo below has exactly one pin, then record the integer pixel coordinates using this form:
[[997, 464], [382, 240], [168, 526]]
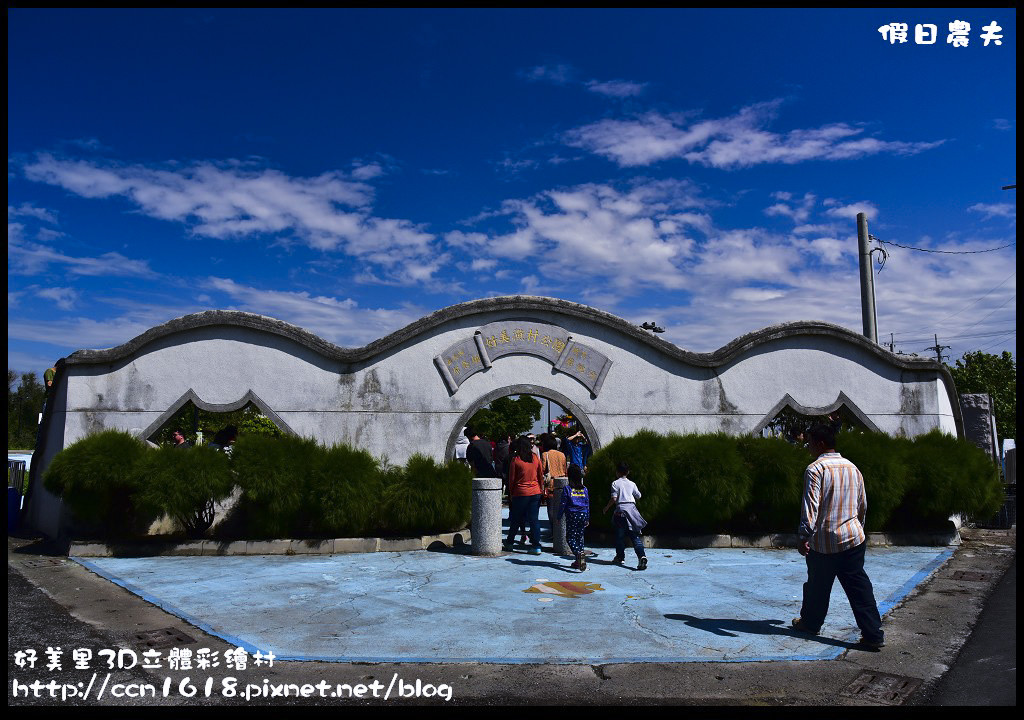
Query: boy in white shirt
[[626, 518]]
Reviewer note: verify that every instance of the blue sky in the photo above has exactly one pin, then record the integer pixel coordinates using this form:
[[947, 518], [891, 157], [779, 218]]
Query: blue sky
[[351, 171]]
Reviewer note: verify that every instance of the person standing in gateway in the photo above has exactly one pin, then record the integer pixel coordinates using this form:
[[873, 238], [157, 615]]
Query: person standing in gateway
[[478, 454], [832, 539]]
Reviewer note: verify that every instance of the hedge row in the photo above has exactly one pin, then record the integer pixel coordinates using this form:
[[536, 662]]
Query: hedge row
[[290, 487], [296, 487], [753, 485]]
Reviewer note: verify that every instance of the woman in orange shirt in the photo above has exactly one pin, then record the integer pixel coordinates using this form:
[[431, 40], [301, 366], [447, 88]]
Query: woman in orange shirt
[[525, 477]]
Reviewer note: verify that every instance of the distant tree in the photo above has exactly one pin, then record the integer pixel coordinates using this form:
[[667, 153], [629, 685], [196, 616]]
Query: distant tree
[[996, 375], [24, 403], [506, 417]]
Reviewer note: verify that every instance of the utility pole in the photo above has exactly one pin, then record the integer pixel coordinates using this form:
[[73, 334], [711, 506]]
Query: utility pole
[[867, 283], [938, 349]]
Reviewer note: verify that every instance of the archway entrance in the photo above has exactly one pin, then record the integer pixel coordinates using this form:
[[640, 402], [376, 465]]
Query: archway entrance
[[537, 392]]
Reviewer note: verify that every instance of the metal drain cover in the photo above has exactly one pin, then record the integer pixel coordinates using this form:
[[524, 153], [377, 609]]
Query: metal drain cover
[[163, 639], [881, 687], [43, 563], [970, 575]]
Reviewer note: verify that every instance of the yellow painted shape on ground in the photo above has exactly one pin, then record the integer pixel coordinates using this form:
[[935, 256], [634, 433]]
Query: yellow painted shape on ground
[[571, 589]]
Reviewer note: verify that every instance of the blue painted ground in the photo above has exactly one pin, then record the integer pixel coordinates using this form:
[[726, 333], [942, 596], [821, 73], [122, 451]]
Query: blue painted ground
[[725, 605]]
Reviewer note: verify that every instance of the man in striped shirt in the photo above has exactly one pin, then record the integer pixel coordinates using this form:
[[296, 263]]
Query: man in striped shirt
[[832, 539]]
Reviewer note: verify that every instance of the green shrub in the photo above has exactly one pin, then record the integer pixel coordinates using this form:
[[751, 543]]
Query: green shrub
[[274, 474], [294, 487], [96, 477], [882, 460], [185, 483], [345, 493], [776, 471], [425, 497], [645, 453], [711, 483], [948, 476]]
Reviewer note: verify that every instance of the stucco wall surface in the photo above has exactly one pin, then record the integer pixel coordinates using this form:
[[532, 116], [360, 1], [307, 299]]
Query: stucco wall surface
[[391, 399]]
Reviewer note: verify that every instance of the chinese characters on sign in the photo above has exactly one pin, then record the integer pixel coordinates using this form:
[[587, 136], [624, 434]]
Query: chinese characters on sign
[[928, 34], [125, 659], [585, 364], [496, 340]]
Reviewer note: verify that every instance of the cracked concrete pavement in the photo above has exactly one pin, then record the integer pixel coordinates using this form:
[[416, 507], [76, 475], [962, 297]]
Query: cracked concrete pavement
[[925, 628]]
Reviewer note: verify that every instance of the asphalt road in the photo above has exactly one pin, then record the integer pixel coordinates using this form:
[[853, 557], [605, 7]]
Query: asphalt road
[[985, 672], [36, 621]]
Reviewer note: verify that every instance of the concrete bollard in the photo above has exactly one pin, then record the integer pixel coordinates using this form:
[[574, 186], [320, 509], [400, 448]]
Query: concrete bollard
[[559, 545], [486, 519]]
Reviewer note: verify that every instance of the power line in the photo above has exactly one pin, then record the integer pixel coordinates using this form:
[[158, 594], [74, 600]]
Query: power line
[[943, 252], [965, 336], [978, 300], [1011, 298], [992, 333], [999, 341]]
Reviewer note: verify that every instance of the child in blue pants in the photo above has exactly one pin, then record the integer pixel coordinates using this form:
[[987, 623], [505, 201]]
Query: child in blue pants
[[575, 507]]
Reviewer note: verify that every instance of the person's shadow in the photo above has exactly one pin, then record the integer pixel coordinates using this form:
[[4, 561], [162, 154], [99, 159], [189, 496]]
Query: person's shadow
[[729, 627], [544, 564]]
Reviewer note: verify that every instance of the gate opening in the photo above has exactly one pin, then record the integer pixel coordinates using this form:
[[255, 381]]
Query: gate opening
[[199, 426]]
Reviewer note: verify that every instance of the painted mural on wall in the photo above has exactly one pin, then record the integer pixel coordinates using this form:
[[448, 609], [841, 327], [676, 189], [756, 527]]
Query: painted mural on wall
[[495, 340]]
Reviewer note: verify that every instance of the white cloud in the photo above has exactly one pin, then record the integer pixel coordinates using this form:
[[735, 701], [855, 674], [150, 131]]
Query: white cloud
[[831, 250], [29, 362], [994, 210], [329, 212], [646, 140], [338, 320], [368, 171], [27, 258], [813, 229], [616, 88], [917, 295], [849, 212], [558, 74], [747, 255], [740, 140], [514, 166], [1002, 124], [76, 333], [756, 295], [29, 210], [637, 237], [63, 297], [341, 321], [483, 264], [798, 214], [562, 74]]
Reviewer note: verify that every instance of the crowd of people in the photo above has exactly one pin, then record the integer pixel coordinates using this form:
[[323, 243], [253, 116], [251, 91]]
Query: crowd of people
[[531, 468], [831, 532]]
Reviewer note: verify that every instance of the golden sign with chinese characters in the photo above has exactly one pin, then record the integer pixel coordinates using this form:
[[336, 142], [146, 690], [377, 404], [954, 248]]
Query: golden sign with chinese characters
[[523, 337]]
